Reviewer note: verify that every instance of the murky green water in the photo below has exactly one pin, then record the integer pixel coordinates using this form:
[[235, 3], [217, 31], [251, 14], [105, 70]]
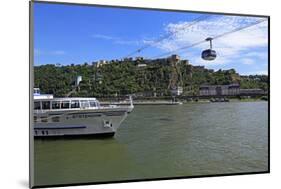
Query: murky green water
[[163, 141]]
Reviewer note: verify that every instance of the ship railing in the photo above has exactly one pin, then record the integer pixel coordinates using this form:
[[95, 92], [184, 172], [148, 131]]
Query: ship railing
[[115, 102]]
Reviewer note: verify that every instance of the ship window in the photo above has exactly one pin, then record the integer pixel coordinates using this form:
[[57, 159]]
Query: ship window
[[44, 119], [35, 119], [84, 103], [98, 104], [36, 91], [75, 104], [55, 105], [36, 105], [56, 119], [92, 103], [46, 105], [65, 104]]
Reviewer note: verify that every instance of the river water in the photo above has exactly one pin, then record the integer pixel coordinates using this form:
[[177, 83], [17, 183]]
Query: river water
[[163, 141]]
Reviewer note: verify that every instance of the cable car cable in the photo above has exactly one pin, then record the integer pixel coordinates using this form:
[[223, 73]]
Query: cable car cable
[[198, 19], [218, 36]]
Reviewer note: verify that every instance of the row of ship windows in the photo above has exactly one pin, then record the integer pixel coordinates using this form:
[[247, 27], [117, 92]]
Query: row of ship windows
[[42, 132], [45, 119], [47, 105]]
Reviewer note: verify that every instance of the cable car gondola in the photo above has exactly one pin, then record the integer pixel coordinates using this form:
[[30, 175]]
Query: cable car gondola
[[209, 54]]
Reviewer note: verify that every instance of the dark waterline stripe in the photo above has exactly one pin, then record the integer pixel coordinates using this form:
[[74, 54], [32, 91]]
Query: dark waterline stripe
[[63, 127]]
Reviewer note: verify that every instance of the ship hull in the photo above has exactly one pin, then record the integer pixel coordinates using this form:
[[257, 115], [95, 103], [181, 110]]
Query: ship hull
[[70, 123]]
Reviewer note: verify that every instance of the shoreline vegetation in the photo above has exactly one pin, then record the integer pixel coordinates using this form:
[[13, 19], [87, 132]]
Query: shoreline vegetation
[[140, 78]]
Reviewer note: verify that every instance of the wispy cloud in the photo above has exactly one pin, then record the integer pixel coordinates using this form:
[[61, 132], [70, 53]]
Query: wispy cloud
[[239, 47], [260, 55], [247, 61], [116, 40], [38, 52], [258, 72], [128, 42], [105, 37]]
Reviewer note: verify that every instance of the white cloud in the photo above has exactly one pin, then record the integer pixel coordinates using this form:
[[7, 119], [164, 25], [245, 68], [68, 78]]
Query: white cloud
[[127, 42], [258, 72], [260, 55], [247, 61], [105, 37], [116, 40], [38, 52], [227, 46]]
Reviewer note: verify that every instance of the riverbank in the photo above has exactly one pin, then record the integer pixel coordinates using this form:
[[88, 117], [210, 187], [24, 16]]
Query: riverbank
[[157, 102], [178, 102]]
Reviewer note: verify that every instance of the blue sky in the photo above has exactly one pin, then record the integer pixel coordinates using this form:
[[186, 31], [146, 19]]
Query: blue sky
[[76, 34]]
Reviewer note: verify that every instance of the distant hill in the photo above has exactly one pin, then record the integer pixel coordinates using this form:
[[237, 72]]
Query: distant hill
[[136, 77]]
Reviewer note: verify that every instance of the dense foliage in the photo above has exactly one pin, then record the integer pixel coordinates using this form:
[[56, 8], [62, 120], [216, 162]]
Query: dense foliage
[[121, 78]]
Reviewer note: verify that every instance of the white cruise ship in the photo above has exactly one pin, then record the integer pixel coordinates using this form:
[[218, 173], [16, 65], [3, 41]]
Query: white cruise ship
[[75, 116]]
